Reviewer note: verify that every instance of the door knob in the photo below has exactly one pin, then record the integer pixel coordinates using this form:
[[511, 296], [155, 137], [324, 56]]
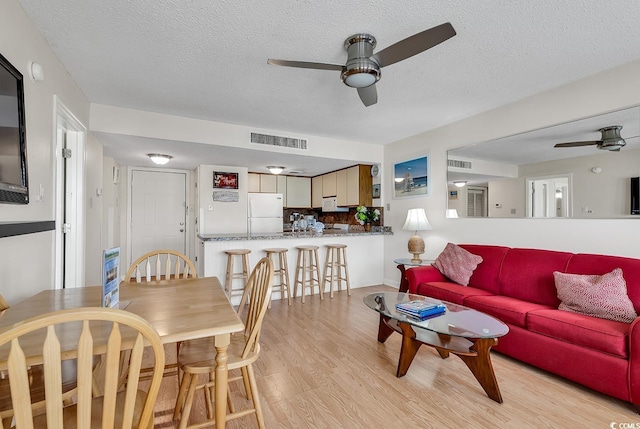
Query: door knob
[[181, 230], [181, 223]]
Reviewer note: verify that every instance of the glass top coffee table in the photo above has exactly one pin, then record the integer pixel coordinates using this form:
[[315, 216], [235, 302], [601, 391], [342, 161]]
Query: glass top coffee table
[[467, 333]]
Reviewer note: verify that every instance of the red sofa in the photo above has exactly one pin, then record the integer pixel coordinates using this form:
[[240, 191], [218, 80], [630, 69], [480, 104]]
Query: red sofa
[[517, 286]]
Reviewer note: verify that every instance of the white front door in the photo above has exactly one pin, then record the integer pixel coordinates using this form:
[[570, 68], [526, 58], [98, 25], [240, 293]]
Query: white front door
[[158, 212]]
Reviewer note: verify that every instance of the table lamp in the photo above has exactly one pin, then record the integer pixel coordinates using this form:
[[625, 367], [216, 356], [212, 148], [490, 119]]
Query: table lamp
[[417, 221]]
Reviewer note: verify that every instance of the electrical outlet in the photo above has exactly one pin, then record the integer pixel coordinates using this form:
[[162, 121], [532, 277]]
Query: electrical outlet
[[388, 207]]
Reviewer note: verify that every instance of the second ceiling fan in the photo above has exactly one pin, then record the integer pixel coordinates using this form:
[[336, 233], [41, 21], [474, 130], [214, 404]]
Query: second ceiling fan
[[362, 69]]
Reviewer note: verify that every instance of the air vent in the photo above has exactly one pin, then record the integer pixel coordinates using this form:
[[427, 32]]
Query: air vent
[[459, 164], [278, 141]]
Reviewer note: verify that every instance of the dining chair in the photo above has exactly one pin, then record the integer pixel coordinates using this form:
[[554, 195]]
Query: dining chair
[[160, 265], [150, 266], [92, 331], [198, 357]]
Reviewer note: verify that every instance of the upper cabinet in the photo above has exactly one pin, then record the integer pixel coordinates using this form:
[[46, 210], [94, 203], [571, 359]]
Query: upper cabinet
[[298, 192], [254, 182], [281, 188], [351, 186], [316, 192], [268, 183], [329, 182]]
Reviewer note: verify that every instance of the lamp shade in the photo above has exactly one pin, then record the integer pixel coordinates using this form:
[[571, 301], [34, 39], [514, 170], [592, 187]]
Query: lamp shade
[[417, 221], [159, 158], [275, 169]]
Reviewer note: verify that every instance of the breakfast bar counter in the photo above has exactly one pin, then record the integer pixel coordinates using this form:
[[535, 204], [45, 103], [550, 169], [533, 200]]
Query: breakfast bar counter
[[365, 253]]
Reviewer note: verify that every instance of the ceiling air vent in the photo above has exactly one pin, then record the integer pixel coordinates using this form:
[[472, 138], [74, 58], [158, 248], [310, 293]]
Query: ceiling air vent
[[278, 141], [459, 164]]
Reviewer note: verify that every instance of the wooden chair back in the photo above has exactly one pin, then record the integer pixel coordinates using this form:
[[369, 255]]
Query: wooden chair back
[[160, 265], [255, 300], [3, 304], [91, 331]]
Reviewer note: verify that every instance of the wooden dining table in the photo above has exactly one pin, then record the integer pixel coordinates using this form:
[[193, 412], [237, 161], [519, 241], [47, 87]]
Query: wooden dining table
[[179, 310]]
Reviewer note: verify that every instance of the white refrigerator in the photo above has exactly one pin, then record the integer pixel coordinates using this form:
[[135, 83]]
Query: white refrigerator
[[265, 213]]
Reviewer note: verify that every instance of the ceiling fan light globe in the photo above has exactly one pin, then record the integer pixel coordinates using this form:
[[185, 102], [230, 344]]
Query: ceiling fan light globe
[[360, 80], [360, 73]]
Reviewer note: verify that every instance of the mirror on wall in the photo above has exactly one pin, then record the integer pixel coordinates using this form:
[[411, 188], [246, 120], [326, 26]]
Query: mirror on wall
[[526, 176]]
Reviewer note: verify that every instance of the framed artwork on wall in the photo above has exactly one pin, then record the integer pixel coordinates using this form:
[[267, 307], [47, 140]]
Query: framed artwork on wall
[[411, 178], [225, 180]]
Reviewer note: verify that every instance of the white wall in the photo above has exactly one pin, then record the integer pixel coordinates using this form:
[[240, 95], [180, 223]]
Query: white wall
[[27, 260], [224, 217], [612, 90]]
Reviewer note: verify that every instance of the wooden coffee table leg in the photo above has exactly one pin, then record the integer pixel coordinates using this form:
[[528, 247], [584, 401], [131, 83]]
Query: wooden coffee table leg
[[408, 350], [481, 367], [384, 331]]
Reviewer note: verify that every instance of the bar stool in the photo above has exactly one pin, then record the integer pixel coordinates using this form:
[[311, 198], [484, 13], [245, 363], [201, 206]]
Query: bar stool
[[231, 275], [308, 264], [281, 270], [335, 268]]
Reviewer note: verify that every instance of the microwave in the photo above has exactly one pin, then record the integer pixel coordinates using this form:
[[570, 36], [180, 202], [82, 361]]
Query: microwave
[[330, 204]]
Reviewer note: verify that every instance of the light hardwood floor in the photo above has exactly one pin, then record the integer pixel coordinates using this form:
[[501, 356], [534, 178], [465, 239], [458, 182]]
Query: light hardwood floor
[[322, 367]]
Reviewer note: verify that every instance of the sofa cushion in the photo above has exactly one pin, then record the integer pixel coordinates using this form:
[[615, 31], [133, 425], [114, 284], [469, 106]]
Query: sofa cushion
[[457, 263], [584, 263], [603, 335], [486, 274], [449, 291], [602, 296], [510, 310], [527, 274]]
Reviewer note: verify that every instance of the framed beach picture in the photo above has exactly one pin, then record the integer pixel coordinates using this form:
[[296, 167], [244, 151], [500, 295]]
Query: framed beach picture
[[411, 178], [225, 180]]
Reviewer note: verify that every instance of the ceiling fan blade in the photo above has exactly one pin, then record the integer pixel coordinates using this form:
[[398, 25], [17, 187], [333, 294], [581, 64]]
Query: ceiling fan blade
[[368, 95], [414, 44], [576, 144], [305, 65]]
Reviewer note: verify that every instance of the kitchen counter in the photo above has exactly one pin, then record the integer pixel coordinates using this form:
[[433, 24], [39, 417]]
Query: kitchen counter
[[364, 249], [335, 233]]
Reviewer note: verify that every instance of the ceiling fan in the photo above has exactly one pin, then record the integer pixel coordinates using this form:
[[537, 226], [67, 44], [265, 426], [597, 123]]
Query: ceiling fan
[[362, 69], [611, 140]]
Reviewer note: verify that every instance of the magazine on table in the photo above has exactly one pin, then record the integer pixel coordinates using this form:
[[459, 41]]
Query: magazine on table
[[420, 307], [111, 278]]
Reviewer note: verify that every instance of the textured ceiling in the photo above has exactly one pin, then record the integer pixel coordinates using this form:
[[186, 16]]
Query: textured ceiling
[[208, 59]]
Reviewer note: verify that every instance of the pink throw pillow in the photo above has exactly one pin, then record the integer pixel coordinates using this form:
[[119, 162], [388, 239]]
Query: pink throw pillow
[[602, 296], [457, 264]]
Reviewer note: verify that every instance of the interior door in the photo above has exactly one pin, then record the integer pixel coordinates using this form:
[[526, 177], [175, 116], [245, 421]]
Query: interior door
[[158, 212]]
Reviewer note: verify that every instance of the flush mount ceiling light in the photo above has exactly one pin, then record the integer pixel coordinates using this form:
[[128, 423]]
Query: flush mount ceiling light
[[460, 183], [159, 158], [275, 169]]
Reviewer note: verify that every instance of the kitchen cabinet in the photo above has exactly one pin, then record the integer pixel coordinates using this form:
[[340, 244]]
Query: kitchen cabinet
[[298, 192], [281, 188], [254, 182], [329, 182], [359, 185], [268, 183], [316, 192], [342, 188]]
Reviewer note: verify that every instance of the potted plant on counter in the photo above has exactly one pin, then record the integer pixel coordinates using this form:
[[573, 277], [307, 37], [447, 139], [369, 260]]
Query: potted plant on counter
[[365, 216]]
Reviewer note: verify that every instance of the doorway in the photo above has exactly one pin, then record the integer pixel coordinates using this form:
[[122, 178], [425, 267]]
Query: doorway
[[69, 156], [549, 196], [158, 211]]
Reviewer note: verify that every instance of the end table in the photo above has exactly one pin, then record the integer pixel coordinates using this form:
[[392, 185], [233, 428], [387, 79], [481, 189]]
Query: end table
[[406, 262]]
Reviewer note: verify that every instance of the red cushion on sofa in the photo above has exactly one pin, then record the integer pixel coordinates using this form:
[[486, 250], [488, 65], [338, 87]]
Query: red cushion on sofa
[[448, 291], [485, 276], [510, 310], [527, 274], [584, 263], [603, 335]]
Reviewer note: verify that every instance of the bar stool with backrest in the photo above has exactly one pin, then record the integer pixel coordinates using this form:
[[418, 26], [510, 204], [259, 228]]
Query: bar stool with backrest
[[307, 271], [282, 271], [235, 275], [335, 268]]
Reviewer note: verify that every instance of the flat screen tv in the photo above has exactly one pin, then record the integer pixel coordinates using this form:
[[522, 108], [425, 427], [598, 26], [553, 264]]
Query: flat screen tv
[[14, 188]]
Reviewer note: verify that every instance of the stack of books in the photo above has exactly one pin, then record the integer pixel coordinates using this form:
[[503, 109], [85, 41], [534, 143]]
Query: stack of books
[[419, 309]]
